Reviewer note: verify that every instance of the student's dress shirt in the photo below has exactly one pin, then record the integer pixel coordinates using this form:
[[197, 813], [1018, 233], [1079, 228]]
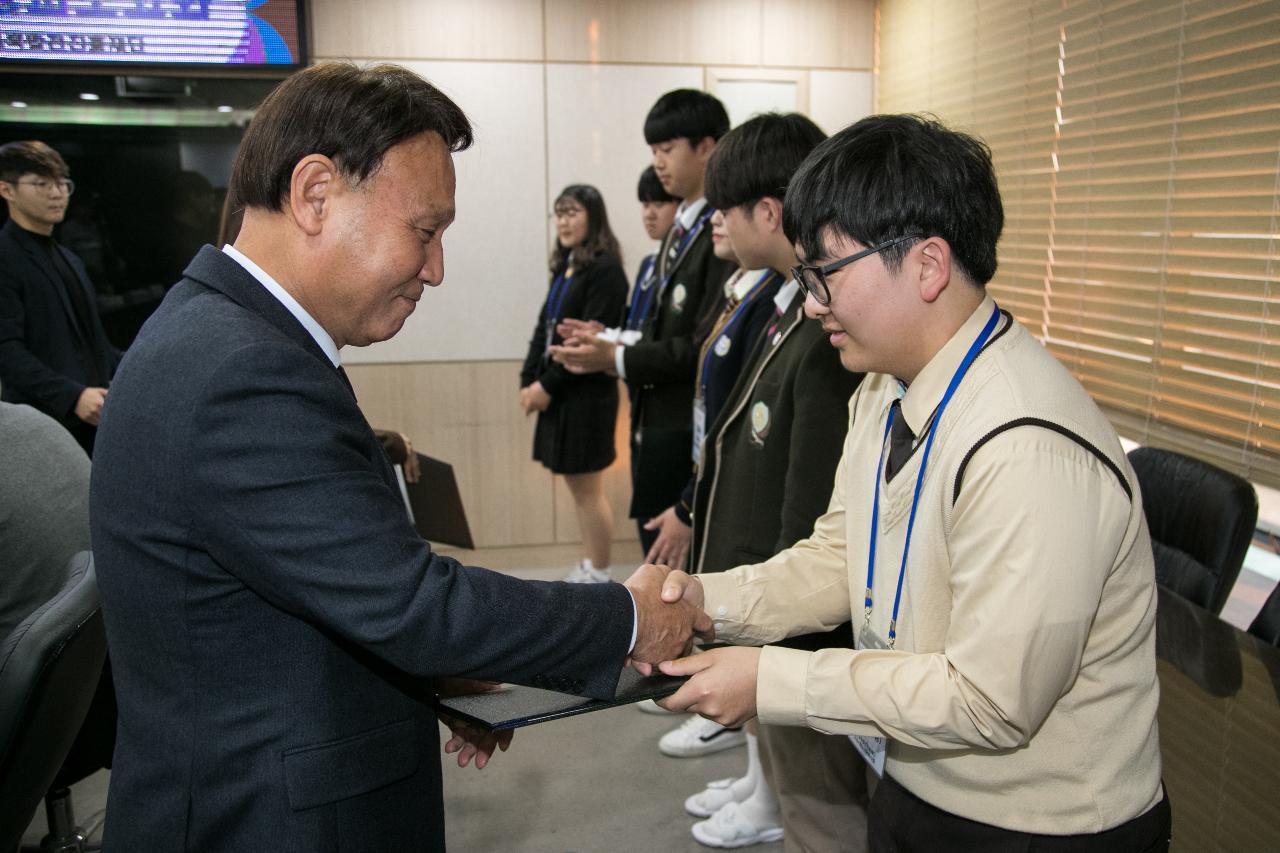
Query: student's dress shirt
[[1022, 688]]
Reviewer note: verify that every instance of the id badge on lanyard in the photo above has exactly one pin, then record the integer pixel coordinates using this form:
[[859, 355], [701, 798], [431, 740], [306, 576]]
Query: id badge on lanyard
[[699, 428], [873, 749]]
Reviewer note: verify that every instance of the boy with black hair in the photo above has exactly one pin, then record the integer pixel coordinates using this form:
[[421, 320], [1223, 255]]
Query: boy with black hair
[[54, 353], [766, 472], [1004, 681], [682, 130]]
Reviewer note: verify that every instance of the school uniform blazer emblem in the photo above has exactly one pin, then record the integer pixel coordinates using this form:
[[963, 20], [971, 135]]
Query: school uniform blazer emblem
[[760, 421], [678, 297]]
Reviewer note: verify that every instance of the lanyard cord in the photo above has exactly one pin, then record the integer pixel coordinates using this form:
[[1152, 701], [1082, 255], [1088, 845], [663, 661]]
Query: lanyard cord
[[708, 348], [555, 299], [974, 349], [637, 311]]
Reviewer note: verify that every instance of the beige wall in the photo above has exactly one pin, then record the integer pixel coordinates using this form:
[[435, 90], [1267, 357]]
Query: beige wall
[[558, 91]]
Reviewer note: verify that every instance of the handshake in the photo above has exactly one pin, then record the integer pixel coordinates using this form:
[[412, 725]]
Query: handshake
[[670, 611], [669, 615]]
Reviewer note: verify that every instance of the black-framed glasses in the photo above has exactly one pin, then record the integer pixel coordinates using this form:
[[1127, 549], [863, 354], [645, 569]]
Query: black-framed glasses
[[45, 185], [813, 279]]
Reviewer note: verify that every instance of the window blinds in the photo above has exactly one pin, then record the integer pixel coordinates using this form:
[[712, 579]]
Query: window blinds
[[1137, 146]]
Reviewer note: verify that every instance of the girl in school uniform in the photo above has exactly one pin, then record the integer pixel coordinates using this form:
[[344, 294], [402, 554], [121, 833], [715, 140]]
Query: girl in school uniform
[[576, 413]]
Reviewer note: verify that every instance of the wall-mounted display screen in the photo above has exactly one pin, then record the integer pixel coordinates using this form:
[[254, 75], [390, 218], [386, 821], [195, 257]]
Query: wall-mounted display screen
[[163, 32]]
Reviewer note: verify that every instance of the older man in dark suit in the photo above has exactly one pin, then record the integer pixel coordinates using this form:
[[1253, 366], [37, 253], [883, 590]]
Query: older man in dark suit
[[54, 354], [274, 621]]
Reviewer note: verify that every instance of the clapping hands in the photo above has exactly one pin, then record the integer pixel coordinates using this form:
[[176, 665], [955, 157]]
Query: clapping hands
[[582, 351]]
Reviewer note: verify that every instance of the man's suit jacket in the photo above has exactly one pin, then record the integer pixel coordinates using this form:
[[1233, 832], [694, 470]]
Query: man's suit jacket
[[273, 618], [43, 345], [660, 374]]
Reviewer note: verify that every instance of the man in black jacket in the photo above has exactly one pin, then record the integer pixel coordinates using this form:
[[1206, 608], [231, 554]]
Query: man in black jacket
[[54, 354]]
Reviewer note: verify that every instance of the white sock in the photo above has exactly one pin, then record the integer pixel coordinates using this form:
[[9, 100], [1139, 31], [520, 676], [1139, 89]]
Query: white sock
[[754, 767], [762, 806], [601, 573], [743, 787]]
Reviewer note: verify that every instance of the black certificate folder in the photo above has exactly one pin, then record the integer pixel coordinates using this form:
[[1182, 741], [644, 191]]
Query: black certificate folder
[[436, 505], [525, 706]]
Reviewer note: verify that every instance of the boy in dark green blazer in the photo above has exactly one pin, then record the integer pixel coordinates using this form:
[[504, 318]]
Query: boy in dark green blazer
[[767, 469]]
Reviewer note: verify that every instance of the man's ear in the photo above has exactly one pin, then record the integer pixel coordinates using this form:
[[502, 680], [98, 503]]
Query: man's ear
[[768, 212], [7, 191], [312, 186], [932, 258], [705, 148]]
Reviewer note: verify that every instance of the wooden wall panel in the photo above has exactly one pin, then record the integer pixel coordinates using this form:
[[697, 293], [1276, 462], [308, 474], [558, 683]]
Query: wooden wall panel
[[820, 34], [706, 32], [422, 29], [466, 414]]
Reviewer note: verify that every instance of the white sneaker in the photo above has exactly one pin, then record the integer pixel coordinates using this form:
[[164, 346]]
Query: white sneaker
[[582, 573], [651, 707], [719, 794], [737, 826], [700, 736]]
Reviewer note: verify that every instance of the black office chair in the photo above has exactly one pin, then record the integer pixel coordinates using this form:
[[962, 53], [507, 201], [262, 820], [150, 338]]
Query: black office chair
[[1201, 520], [49, 670], [1266, 625]]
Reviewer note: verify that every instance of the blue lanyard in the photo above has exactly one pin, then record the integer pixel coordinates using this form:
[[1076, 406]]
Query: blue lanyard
[[642, 295], [555, 299], [727, 328], [974, 349], [637, 322]]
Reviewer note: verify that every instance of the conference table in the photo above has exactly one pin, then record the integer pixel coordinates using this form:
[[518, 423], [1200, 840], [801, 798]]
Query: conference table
[[1219, 730]]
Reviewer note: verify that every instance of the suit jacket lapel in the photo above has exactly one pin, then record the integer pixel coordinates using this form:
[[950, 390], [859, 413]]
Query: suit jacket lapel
[[768, 349]]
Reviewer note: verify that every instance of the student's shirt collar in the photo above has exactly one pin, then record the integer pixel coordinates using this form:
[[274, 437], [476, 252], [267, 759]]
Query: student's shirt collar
[[925, 392], [786, 294], [687, 212], [745, 282], [283, 296]]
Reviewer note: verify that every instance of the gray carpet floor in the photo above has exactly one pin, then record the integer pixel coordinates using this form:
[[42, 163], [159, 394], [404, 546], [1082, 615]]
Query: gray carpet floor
[[590, 783]]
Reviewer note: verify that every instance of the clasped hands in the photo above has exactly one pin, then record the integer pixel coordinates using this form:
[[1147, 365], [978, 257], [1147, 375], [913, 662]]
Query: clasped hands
[[669, 612]]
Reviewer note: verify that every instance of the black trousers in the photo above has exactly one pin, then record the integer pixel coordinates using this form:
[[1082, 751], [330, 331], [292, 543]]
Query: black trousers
[[900, 822]]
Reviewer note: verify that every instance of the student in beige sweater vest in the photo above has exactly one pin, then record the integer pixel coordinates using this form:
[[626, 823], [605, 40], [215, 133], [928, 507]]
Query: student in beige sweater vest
[[985, 533]]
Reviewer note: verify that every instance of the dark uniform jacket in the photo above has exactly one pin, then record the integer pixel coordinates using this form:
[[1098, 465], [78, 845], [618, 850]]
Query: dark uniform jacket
[[48, 353], [660, 372], [598, 291], [769, 460], [273, 618]]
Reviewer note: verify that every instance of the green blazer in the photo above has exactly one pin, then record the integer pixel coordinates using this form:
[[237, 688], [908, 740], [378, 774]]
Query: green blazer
[[770, 458]]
